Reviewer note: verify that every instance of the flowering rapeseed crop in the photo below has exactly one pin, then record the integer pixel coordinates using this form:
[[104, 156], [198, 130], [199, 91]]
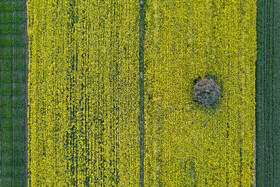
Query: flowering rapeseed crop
[[83, 93], [188, 144]]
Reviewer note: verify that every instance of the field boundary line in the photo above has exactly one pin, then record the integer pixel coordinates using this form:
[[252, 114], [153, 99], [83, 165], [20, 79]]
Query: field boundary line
[[13, 96], [26, 93], [141, 85]]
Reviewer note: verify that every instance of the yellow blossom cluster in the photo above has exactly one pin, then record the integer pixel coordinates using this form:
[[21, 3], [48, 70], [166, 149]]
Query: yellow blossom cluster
[[186, 143], [83, 93]]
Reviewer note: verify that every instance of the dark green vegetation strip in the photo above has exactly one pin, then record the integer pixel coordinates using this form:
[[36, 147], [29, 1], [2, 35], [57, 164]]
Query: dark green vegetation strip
[[141, 82], [13, 92], [268, 94]]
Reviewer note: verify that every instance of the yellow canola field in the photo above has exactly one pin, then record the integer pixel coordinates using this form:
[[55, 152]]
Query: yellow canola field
[[187, 144], [83, 93]]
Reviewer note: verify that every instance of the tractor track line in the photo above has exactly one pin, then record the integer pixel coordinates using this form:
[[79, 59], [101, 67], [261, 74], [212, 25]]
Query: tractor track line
[[141, 84]]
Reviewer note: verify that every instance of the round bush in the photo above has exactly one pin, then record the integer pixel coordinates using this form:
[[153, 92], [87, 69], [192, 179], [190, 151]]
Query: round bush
[[206, 91]]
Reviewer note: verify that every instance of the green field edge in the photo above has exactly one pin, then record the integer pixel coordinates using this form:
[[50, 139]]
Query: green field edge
[[267, 94], [13, 100], [26, 95]]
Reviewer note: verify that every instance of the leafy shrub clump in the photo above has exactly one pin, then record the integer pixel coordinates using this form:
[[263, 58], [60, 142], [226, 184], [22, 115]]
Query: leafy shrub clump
[[206, 91]]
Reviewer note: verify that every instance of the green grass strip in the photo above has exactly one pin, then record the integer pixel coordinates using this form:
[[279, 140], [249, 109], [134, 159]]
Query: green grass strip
[[141, 84], [267, 94]]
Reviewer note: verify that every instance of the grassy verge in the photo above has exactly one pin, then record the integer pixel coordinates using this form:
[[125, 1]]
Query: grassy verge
[[12, 93], [141, 86], [267, 94]]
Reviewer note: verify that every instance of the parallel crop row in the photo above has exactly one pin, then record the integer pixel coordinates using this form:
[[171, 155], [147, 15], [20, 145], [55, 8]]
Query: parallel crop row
[[83, 93], [187, 144]]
